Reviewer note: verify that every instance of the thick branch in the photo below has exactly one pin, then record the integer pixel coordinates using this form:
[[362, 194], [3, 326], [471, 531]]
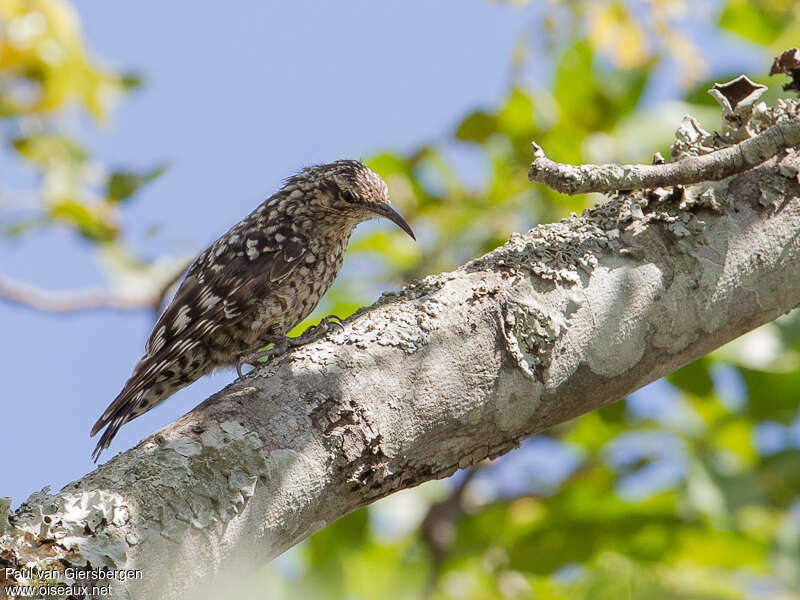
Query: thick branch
[[457, 368], [581, 179]]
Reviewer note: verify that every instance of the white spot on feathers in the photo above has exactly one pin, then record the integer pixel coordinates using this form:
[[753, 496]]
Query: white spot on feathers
[[182, 346], [252, 251], [204, 326], [208, 299], [182, 319], [155, 368], [157, 340], [231, 309]]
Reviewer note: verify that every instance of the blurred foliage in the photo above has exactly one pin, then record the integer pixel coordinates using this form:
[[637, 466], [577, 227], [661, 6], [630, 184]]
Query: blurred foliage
[[687, 489], [772, 23], [47, 79]]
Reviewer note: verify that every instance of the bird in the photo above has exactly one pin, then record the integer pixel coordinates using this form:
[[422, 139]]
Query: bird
[[253, 285]]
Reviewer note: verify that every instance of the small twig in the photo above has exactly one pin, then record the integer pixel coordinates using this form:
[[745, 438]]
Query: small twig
[[581, 179], [438, 526], [25, 294], [31, 296]]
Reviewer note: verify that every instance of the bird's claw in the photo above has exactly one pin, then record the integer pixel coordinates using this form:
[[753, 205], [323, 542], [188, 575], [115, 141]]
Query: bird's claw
[[309, 335], [326, 322], [254, 359], [316, 331], [242, 361]]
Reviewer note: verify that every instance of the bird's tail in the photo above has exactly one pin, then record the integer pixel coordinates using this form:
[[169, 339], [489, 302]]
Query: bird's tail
[[152, 382], [112, 427]]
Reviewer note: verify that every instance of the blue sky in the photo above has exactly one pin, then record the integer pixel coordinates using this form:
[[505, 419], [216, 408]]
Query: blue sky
[[236, 98]]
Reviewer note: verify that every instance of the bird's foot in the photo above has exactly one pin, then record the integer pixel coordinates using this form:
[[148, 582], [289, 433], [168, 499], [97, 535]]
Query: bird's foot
[[316, 331], [254, 359], [283, 343]]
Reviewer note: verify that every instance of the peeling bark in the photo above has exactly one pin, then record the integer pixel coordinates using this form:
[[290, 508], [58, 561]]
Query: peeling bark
[[451, 370]]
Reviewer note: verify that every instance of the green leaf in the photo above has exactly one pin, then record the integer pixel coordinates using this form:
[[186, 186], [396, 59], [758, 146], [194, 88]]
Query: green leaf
[[326, 550], [121, 185], [736, 437], [22, 226], [390, 163], [89, 223], [591, 98], [705, 494], [476, 127], [622, 91], [131, 81], [771, 396], [516, 117], [693, 378], [780, 476], [752, 21], [574, 84], [593, 431], [45, 150], [614, 412]]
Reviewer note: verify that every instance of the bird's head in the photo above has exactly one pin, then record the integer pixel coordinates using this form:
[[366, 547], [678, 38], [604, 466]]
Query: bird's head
[[347, 188]]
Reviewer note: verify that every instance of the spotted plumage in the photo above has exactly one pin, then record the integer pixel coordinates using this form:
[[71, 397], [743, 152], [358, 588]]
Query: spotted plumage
[[253, 285]]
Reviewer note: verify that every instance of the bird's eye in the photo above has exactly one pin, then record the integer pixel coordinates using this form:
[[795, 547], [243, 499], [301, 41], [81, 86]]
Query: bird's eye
[[347, 196]]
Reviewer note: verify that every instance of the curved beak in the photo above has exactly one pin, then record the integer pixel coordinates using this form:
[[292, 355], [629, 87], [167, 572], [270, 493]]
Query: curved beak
[[385, 210]]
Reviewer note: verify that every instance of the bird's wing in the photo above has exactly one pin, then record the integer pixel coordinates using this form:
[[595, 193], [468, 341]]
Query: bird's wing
[[289, 254], [224, 281], [219, 287]]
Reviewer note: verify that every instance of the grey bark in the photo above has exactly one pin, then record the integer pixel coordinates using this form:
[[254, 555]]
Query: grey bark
[[714, 166], [449, 371]]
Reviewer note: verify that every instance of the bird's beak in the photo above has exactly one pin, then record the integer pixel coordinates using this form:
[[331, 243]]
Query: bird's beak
[[385, 210]]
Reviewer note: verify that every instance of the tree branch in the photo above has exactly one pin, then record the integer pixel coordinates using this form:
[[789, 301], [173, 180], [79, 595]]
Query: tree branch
[[582, 179], [25, 294]]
